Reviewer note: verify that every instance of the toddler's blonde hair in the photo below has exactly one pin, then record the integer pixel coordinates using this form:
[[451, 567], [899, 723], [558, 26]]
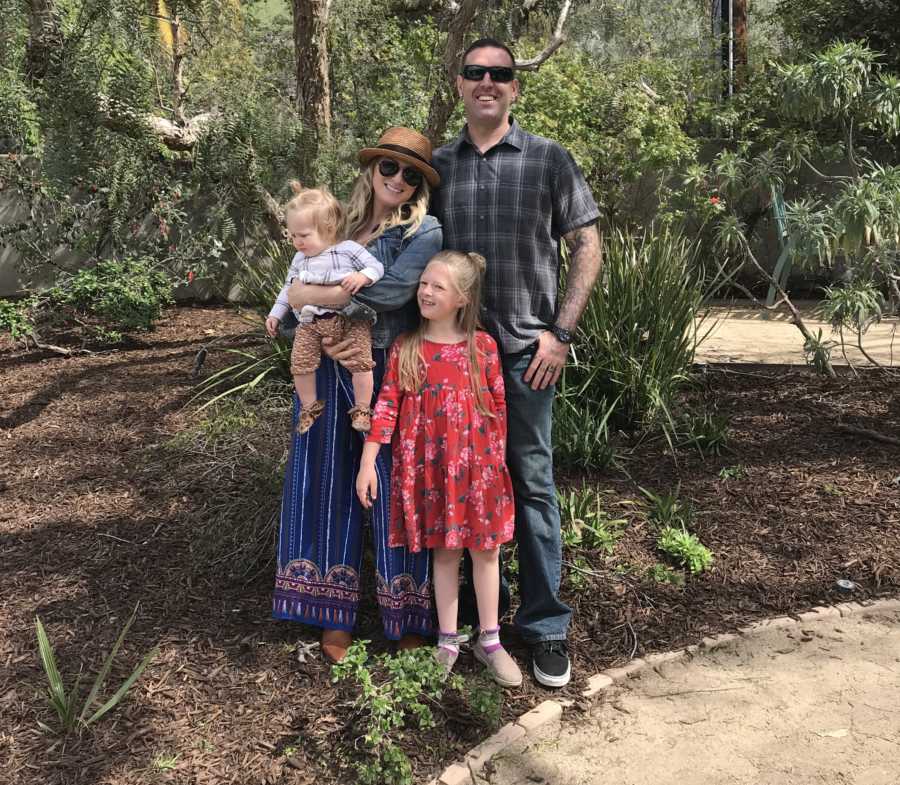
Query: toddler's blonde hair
[[326, 211]]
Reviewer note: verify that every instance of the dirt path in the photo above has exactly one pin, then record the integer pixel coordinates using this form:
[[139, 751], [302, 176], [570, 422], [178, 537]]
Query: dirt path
[[743, 333], [815, 703]]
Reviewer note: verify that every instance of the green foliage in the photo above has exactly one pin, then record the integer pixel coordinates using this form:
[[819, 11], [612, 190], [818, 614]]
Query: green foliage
[[684, 548], [15, 318], [128, 294], [396, 694], [707, 432], [19, 127], [736, 472], [107, 299], [637, 335], [856, 306], [72, 712], [661, 573], [613, 128], [813, 24], [581, 438], [585, 523], [260, 280], [666, 509]]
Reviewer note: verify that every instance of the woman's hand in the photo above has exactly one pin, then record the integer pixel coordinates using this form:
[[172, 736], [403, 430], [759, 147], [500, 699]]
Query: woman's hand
[[367, 485], [328, 296], [272, 326]]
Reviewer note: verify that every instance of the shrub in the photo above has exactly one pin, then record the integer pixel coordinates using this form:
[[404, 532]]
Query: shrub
[[397, 693], [127, 294], [685, 548], [637, 336]]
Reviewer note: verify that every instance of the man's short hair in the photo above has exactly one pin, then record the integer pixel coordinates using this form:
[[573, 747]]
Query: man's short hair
[[488, 43]]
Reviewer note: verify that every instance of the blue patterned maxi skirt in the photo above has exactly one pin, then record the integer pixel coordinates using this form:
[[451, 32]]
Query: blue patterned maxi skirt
[[320, 536]]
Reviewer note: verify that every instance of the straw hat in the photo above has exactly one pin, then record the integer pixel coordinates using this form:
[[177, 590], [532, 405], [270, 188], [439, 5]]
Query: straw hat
[[407, 146]]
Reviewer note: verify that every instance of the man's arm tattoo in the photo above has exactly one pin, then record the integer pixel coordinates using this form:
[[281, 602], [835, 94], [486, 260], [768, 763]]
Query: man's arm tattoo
[[585, 263]]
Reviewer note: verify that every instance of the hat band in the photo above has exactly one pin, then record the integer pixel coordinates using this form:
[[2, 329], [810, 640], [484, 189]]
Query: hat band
[[396, 148]]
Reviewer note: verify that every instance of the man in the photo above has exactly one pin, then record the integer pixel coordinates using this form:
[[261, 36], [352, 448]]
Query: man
[[512, 196]]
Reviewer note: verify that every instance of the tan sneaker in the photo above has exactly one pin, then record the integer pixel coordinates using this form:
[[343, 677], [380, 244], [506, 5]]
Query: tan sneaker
[[500, 665], [309, 415], [361, 418]]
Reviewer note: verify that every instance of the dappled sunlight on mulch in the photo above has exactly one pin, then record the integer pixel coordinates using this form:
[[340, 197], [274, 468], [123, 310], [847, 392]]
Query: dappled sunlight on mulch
[[104, 505]]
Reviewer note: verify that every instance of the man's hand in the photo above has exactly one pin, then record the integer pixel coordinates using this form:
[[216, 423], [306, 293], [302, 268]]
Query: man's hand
[[353, 282], [272, 326], [547, 363], [342, 351]]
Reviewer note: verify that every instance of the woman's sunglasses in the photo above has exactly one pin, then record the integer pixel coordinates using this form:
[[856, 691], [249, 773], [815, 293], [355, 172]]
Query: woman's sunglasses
[[499, 73], [389, 167]]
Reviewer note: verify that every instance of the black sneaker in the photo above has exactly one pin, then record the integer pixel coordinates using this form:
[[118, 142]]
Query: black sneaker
[[551, 663]]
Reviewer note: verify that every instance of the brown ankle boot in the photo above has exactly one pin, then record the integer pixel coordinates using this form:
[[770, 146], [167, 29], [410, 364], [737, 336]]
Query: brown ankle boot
[[335, 644]]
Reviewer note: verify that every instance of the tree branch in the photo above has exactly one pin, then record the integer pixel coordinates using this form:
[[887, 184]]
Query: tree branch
[[555, 42]]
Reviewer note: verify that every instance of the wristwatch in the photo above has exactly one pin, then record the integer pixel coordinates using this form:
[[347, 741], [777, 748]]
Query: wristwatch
[[563, 336]]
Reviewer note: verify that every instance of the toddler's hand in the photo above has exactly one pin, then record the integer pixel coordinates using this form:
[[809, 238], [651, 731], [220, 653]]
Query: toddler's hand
[[272, 326], [367, 486], [354, 282]]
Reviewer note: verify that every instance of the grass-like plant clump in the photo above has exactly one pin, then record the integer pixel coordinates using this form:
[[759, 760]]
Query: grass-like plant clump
[[73, 710]]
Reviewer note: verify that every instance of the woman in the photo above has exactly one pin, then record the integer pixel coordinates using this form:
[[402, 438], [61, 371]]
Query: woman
[[321, 531]]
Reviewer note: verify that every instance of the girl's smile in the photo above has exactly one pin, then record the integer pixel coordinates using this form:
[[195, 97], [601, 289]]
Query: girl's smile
[[439, 299]]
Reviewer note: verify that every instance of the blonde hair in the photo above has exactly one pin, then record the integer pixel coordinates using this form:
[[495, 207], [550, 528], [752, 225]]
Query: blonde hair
[[359, 206], [467, 276], [326, 211]]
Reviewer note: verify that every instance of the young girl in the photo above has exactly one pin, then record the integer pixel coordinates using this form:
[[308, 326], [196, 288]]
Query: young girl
[[450, 488], [315, 220]]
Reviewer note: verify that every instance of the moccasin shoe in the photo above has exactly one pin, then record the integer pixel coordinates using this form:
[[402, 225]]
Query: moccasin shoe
[[500, 665], [335, 644], [361, 418], [309, 415]]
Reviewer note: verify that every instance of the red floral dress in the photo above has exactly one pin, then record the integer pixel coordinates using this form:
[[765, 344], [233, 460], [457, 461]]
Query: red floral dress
[[450, 487]]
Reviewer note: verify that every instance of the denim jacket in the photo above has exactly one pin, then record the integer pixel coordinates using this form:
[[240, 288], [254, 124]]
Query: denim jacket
[[391, 301]]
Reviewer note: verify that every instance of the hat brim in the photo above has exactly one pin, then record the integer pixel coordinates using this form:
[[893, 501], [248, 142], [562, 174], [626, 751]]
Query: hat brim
[[430, 174]]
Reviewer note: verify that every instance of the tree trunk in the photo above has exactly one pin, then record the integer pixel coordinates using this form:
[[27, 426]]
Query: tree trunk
[[445, 97], [45, 38], [740, 44], [313, 86]]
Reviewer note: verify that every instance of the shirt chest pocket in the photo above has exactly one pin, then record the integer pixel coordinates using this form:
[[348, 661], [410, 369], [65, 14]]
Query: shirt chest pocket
[[387, 249]]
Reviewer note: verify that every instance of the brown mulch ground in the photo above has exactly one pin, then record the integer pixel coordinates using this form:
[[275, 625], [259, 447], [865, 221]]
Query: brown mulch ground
[[105, 502]]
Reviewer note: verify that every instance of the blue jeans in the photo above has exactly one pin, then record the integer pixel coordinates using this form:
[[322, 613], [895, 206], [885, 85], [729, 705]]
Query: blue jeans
[[541, 616]]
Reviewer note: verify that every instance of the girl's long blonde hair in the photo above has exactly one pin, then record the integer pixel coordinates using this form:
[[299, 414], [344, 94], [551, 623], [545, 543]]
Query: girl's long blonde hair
[[359, 206], [467, 275]]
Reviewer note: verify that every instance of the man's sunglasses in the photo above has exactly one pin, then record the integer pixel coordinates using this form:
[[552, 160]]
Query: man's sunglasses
[[499, 73], [389, 167]]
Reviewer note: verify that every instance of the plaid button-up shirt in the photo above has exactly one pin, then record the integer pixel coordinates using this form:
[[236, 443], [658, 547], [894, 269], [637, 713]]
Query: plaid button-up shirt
[[512, 205]]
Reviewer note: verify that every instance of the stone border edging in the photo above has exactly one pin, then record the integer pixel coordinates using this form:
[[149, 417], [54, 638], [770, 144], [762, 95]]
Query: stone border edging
[[550, 712]]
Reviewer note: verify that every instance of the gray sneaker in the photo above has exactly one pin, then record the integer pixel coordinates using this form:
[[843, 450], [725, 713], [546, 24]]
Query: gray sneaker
[[500, 665]]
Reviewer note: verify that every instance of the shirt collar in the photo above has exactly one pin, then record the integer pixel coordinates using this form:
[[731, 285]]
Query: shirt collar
[[515, 137]]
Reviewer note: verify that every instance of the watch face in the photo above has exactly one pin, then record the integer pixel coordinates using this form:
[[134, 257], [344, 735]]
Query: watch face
[[562, 335]]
